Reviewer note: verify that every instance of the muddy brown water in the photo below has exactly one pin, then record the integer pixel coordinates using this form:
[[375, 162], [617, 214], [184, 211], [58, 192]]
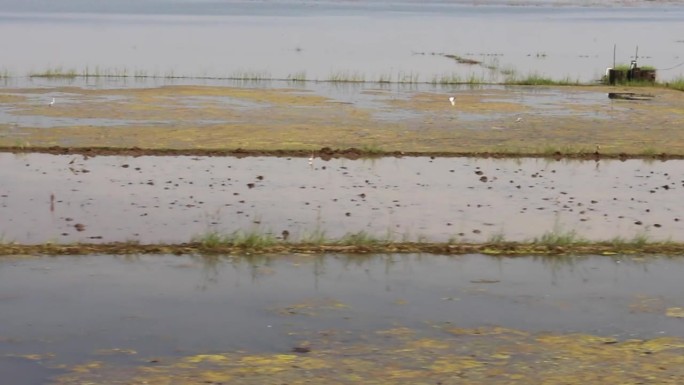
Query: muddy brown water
[[65, 199], [57, 313]]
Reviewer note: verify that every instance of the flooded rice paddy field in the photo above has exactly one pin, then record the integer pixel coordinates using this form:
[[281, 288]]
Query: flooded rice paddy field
[[393, 40], [150, 199], [295, 318], [278, 115], [347, 319]]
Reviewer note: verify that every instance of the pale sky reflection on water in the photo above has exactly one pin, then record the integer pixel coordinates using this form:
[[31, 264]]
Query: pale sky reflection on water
[[370, 39]]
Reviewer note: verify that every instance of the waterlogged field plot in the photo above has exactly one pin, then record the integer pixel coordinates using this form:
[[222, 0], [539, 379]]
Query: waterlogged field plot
[[148, 199], [383, 319], [519, 119]]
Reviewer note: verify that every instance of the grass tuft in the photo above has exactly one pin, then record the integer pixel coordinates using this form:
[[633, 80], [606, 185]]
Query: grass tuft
[[558, 237], [248, 239], [316, 237], [360, 238], [297, 76]]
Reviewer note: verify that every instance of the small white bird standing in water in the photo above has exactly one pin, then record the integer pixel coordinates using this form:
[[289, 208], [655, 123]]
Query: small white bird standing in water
[[311, 158], [52, 103], [452, 100]]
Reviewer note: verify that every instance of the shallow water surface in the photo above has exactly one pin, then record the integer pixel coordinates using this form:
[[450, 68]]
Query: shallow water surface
[[47, 198], [130, 310], [372, 40]]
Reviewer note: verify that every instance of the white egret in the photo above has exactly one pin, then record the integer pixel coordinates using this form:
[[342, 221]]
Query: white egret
[[52, 103], [311, 158], [452, 100]]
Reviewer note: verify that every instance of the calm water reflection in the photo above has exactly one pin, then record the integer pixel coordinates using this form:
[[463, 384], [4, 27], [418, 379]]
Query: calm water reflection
[[77, 307], [369, 39], [172, 199]]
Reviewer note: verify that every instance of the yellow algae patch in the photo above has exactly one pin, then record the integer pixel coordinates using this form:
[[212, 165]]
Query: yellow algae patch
[[214, 377], [483, 120], [485, 331], [676, 312], [426, 343], [88, 367], [312, 307], [454, 364], [214, 358], [35, 357], [404, 356], [115, 351], [400, 331]]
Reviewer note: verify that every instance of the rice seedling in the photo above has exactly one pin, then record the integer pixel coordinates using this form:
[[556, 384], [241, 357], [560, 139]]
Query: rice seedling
[[649, 151], [558, 237], [372, 149], [57, 72], [250, 75], [639, 240], [347, 77], [407, 77], [474, 79], [239, 238], [211, 239], [297, 77], [315, 237], [385, 78], [252, 239], [497, 238], [445, 78], [360, 238]]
